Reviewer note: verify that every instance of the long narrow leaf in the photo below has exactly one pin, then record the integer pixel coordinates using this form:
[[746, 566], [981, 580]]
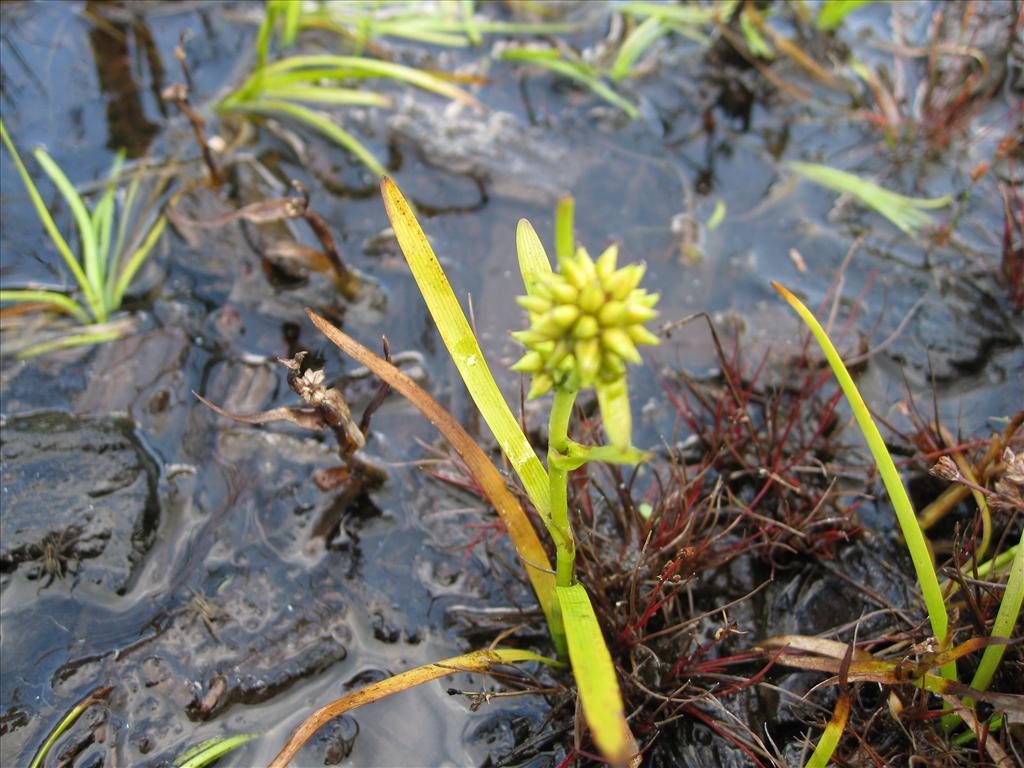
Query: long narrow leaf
[[319, 122], [1006, 620], [907, 213], [136, 260], [327, 95], [67, 341], [59, 300], [518, 525], [335, 19], [633, 47], [49, 224], [916, 545], [364, 67], [565, 228], [117, 254], [86, 232], [463, 347], [594, 671], [212, 750], [103, 218], [574, 71], [477, 661], [95, 696]]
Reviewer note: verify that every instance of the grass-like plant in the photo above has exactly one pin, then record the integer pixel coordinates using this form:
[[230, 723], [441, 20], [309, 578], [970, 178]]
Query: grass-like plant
[[907, 213], [655, 21], [211, 750], [284, 88], [585, 322], [109, 256], [95, 696], [453, 25], [927, 579], [1009, 608]]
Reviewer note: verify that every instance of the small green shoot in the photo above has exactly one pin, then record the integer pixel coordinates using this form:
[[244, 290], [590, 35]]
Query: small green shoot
[[448, 24], [210, 751], [283, 88], [93, 697], [1006, 620], [572, 67], [108, 260], [832, 12], [907, 213]]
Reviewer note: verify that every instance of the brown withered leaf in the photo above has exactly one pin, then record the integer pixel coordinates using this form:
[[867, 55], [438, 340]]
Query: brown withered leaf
[[302, 417], [296, 253], [261, 212]]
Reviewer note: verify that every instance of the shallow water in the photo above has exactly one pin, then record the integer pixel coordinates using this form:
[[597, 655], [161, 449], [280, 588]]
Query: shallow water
[[228, 513]]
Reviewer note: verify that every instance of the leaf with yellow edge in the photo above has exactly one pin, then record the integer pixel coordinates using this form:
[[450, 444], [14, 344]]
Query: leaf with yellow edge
[[463, 347], [911, 529], [477, 661], [518, 525], [596, 679]]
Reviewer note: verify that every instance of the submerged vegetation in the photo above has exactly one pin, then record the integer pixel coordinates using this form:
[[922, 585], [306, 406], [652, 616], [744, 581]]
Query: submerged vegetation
[[108, 256], [720, 579]]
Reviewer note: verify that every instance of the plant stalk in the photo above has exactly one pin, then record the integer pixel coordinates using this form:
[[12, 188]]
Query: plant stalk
[[558, 479]]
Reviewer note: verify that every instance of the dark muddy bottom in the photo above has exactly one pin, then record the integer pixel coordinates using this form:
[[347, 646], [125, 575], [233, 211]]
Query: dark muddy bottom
[[190, 563]]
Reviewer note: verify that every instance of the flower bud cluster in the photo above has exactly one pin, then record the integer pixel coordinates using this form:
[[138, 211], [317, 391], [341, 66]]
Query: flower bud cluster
[[585, 323]]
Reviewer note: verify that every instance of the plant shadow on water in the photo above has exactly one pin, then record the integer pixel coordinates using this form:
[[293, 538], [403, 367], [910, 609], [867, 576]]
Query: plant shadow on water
[[169, 576]]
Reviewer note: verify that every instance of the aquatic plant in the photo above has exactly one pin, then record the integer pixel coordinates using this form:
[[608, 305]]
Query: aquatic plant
[[95, 696], [107, 260], [831, 13], [934, 655], [283, 88], [907, 213], [211, 750], [454, 25], [585, 322], [603, 76]]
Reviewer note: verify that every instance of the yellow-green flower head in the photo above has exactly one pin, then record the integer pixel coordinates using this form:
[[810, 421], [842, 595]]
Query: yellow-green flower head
[[586, 321]]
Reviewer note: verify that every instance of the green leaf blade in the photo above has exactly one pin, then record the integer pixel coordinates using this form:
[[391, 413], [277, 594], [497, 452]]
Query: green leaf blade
[[905, 517], [86, 231], [596, 680], [319, 122], [48, 223], [1006, 620], [59, 300], [463, 347], [534, 265]]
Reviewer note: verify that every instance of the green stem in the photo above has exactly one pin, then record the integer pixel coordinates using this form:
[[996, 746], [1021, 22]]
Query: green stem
[[558, 478]]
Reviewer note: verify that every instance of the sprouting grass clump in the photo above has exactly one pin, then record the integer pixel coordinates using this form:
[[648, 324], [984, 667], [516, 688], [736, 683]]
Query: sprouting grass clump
[[112, 246], [286, 87]]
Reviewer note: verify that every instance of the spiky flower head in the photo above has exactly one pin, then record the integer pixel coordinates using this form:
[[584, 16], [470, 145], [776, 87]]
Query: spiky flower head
[[586, 321]]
